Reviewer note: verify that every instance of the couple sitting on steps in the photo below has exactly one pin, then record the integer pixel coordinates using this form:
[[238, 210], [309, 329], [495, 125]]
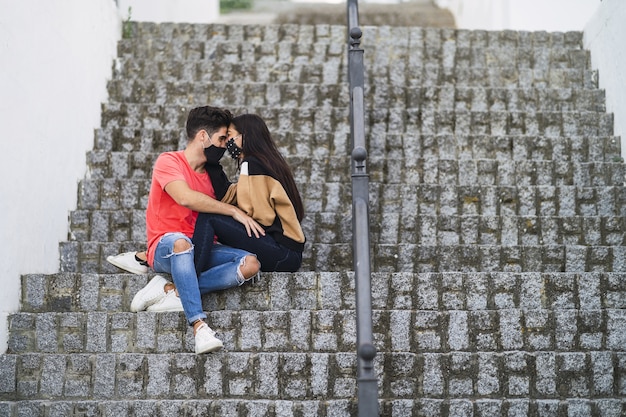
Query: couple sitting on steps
[[209, 234]]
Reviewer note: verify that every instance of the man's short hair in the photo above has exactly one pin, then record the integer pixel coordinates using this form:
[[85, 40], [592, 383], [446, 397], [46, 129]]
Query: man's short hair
[[207, 118]]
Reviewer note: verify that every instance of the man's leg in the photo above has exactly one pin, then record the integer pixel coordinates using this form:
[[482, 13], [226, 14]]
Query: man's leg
[[203, 241], [228, 267], [174, 254], [151, 295]]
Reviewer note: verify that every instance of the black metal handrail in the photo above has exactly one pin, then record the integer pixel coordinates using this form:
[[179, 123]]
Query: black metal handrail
[[366, 352]]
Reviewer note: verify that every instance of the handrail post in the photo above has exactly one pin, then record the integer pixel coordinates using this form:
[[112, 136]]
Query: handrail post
[[367, 395]]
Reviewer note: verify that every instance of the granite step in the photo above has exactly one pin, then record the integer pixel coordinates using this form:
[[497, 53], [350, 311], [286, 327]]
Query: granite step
[[240, 407], [317, 331], [391, 407], [150, 37], [408, 170], [130, 193], [153, 116], [392, 227], [414, 46], [448, 97], [504, 148], [90, 257], [305, 95], [413, 228], [378, 121], [434, 199], [204, 72], [434, 291], [319, 227], [454, 53], [221, 375], [473, 257], [186, 32], [423, 13], [216, 49], [417, 74], [108, 232], [323, 144], [266, 377], [487, 200], [316, 144], [335, 72], [303, 34]]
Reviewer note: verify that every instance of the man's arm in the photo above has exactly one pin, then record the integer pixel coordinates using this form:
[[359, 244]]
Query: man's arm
[[219, 179], [183, 195]]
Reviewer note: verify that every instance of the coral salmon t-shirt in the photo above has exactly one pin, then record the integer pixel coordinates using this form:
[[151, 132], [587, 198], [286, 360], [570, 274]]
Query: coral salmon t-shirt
[[163, 214]]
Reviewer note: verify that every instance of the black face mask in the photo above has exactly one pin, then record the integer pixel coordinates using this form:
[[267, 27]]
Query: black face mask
[[213, 154], [233, 149]]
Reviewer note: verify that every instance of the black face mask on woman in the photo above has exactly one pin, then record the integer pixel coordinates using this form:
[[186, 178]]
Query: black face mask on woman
[[233, 149], [213, 154]]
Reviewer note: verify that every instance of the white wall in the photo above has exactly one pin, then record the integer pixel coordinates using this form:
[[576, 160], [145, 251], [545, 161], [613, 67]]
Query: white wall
[[55, 59], [550, 15], [189, 11], [605, 37]]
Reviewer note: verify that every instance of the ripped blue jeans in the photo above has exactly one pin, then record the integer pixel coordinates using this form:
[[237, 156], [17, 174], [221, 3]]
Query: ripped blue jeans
[[222, 273]]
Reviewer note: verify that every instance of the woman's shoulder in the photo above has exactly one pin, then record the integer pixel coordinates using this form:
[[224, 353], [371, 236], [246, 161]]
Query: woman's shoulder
[[253, 166]]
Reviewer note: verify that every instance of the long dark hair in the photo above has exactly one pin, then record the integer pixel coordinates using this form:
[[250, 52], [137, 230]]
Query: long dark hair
[[258, 143]]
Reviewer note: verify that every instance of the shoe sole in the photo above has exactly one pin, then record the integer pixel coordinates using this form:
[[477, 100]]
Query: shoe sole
[[137, 299], [155, 309], [137, 271], [209, 349], [165, 310]]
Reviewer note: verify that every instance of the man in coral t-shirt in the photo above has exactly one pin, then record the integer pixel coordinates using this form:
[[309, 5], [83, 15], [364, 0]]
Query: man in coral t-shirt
[[180, 190]]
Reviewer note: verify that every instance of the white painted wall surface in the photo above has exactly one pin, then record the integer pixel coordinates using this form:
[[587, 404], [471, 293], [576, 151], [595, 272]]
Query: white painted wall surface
[[189, 11], [549, 15], [605, 37], [55, 59]]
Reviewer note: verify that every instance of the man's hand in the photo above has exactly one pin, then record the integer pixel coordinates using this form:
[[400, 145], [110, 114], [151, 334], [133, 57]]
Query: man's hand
[[249, 223], [197, 201]]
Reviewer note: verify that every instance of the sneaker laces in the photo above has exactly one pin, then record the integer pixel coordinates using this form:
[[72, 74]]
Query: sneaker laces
[[211, 332]]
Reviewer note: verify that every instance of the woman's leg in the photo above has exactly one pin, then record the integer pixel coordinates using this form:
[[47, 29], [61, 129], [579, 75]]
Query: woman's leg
[[273, 256], [203, 240]]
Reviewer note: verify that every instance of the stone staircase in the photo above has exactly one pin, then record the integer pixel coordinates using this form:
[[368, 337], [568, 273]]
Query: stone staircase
[[498, 214]]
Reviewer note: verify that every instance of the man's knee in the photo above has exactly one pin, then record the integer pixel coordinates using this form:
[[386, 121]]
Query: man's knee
[[250, 266], [181, 245]]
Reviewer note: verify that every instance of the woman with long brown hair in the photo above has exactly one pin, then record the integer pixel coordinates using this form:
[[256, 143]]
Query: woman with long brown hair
[[267, 192]]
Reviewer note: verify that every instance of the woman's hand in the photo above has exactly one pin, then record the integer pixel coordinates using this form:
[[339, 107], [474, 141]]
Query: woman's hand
[[249, 223]]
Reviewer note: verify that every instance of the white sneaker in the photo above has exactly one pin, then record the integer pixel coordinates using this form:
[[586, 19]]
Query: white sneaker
[[152, 293], [171, 302], [206, 341], [129, 262]]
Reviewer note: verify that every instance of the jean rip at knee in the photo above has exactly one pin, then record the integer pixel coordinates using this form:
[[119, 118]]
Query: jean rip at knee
[[183, 252], [241, 279]]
